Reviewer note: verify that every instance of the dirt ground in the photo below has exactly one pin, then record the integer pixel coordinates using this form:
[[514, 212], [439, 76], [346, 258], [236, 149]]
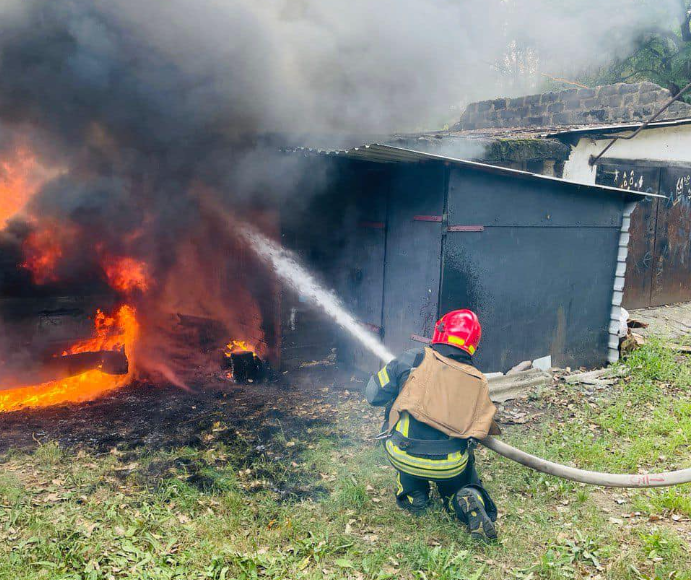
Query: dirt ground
[[672, 321]]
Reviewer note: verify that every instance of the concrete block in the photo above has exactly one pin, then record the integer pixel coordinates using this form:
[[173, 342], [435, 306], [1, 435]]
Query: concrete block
[[628, 88], [586, 93], [614, 101], [563, 118], [540, 121], [612, 355], [609, 90], [594, 115], [617, 297], [509, 387], [650, 97], [544, 363], [648, 86]]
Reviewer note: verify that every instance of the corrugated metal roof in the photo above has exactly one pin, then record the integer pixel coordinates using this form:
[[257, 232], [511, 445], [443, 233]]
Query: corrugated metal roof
[[377, 153], [620, 127]]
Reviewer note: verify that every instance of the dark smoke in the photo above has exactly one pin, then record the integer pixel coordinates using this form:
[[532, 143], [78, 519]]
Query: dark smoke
[[144, 108]]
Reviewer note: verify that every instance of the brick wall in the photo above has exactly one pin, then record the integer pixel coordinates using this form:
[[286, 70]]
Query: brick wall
[[620, 103]]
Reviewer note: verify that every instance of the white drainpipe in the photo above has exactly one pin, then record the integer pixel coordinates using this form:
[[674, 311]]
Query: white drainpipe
[[619, 280]]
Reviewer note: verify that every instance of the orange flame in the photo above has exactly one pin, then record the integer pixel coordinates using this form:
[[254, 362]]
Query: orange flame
[[19, 180], [42, 251], [236, 346], [111, 333], [126, 274]]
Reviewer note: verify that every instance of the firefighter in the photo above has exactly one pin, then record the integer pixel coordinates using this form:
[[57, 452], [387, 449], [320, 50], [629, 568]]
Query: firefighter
[[437, 407]]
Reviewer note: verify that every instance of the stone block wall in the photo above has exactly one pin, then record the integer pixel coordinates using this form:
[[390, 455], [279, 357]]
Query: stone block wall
[[620, 103]]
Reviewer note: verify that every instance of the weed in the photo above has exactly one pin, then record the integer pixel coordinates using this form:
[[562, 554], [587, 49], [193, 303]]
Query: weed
[[48, 454], [351, 494]]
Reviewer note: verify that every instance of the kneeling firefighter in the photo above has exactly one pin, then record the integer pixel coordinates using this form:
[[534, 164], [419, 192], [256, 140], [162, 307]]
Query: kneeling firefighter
[[437, 405]]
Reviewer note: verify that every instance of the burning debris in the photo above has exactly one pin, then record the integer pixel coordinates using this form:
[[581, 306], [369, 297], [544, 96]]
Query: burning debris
[[243, 363], [113, 341]]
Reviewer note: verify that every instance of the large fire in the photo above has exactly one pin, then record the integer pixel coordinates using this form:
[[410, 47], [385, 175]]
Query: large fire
[[117, 332], [204, 279]]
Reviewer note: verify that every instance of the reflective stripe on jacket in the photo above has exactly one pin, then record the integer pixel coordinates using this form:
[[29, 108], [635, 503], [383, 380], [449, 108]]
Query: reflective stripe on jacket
[[426, 467]]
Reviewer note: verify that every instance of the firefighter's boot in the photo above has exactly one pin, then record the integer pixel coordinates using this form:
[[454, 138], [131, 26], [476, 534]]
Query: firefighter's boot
[[469, 506], [415, 502]]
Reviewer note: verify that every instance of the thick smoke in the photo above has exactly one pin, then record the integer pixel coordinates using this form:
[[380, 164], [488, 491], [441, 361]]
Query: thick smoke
[[142, 109], [163, 72]]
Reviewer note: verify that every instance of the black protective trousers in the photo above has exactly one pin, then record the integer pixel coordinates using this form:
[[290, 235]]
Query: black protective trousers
[[410, 486]]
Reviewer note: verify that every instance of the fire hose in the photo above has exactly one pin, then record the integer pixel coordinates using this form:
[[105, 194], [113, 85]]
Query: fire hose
[[663, 479], [297, 277]]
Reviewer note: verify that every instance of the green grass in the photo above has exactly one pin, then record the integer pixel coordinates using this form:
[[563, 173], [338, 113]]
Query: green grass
[[328, 512]]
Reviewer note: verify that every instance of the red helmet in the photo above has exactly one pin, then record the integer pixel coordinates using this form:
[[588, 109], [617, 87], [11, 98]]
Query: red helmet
[[459, 328]]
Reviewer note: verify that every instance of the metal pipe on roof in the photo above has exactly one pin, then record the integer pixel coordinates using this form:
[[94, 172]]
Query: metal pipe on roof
[[594, 158]]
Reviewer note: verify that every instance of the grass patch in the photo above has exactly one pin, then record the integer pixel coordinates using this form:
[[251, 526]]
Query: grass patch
[[321, 508]]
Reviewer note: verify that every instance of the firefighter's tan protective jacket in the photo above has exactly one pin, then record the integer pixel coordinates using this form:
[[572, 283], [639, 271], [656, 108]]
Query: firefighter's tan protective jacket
[[448, 395]]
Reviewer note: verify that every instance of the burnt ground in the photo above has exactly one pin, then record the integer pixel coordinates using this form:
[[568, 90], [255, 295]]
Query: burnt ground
[[264, 427], [305, 445], [258, 423], [165, 417]]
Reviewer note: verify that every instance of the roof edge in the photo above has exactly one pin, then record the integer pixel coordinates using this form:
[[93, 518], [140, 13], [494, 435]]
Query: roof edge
[[378, 153], [620, 127]]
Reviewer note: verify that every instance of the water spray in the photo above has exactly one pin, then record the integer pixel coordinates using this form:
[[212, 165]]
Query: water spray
[[287, 267]]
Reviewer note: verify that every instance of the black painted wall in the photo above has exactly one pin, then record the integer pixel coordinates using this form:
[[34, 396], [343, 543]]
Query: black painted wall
[[541, 272], [534, 258]]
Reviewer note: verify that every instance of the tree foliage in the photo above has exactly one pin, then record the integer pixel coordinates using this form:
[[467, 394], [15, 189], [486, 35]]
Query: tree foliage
[[661, 55]]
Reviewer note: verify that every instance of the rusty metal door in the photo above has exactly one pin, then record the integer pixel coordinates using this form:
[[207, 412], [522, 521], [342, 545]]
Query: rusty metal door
[[672, 257], [639, 262]]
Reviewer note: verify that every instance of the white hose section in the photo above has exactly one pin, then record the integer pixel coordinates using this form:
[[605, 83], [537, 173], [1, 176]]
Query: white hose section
[[582, 476]]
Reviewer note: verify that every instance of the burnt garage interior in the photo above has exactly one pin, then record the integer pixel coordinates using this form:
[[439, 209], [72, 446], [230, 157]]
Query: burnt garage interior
[[404, 236]]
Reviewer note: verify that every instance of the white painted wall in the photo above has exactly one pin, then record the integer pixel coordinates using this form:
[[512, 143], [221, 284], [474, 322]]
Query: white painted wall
[[654, 144]]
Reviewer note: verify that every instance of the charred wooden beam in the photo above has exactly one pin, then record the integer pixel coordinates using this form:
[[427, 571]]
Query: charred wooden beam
[[110, 362]]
